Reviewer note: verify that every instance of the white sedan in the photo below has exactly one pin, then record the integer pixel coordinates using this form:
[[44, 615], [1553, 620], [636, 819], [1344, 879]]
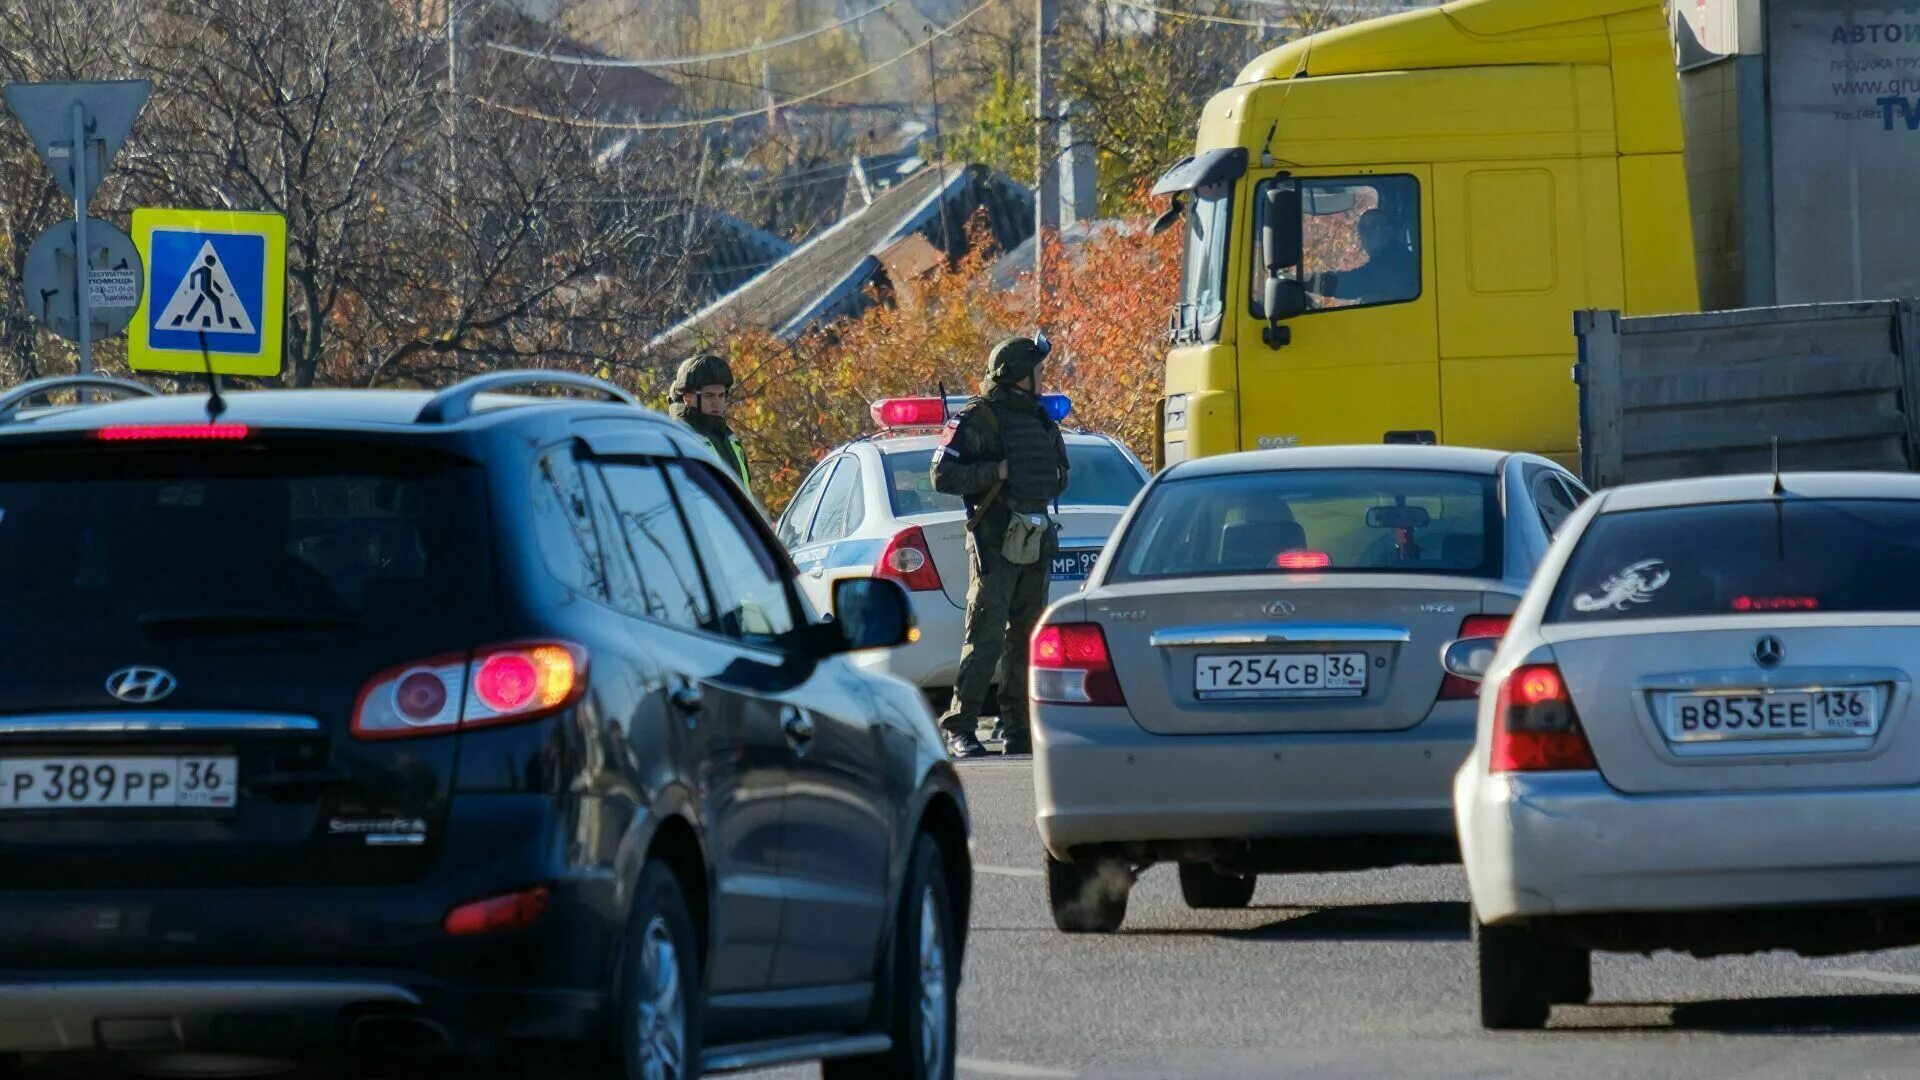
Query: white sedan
[[1699, 734], [869, 510]]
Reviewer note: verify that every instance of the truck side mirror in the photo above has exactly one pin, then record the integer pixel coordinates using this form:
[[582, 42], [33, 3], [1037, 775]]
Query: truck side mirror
[[1282, 243], [1282, 246]]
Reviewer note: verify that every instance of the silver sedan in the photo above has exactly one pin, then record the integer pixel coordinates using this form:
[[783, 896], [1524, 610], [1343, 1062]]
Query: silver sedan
[[1698, 735], [1251, 682]]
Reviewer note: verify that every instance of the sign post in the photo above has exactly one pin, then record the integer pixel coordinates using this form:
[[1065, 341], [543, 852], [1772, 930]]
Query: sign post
[[78, 129]]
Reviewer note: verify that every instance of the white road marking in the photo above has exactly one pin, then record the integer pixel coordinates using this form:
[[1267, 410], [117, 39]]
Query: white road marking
[[1004, 1068], [1893, 977], [1011, 871]]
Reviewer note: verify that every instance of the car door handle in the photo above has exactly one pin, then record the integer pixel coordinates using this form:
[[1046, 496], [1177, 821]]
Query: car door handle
[[798, 726], [687, 697], [819, 571]]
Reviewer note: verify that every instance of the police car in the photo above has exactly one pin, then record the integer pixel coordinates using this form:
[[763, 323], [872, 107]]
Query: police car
[[870, 510]]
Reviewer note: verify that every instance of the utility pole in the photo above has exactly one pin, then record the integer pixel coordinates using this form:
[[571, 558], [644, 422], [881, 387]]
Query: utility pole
[[939, 148], [1047, 126]]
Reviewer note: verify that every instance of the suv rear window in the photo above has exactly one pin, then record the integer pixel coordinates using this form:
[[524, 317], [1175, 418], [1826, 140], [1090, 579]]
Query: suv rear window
[[1368, 521], [242, 542], [1100, 476], [1784, 556]]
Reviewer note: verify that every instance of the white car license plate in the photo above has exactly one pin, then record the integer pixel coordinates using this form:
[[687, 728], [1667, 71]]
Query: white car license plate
[[1281, 675], [119, 783], [1773, 714], [1074, 565]]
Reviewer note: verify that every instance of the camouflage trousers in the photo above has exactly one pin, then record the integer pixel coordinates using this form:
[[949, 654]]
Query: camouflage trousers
[[1004, 602]]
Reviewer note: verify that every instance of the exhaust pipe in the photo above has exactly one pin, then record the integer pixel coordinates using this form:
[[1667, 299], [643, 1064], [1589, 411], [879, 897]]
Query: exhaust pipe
[[399, 1034]]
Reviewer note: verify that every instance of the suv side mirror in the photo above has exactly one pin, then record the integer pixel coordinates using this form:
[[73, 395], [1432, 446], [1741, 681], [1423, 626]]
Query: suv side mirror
[[872, 613], [1469, 658]]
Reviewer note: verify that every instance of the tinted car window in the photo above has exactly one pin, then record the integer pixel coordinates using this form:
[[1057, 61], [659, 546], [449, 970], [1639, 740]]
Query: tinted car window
[[749, 583], [164, 542], [565, 525], [652, 531], [1334, 520], [840, 508], [799, 516], [1794, 555], [1101, 476], [1552, 498]]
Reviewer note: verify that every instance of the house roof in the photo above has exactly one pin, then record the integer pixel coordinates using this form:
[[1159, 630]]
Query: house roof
[[828, 276]]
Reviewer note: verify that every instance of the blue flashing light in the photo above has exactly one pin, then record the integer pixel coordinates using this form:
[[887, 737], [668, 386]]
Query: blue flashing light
[[1058, 406]]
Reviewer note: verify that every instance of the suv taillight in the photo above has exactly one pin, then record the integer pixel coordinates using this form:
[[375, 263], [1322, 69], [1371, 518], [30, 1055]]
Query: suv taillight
[[497, 684], [1071, 666], [909, 561], [1535, 727], [1455, 688]]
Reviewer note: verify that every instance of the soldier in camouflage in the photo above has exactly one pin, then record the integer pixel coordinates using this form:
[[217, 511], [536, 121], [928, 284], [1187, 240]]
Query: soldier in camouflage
[[1004, 456], [702, 391]]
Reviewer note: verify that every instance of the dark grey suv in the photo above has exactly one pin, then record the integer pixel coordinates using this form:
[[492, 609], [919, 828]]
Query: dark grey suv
[[389, 723]]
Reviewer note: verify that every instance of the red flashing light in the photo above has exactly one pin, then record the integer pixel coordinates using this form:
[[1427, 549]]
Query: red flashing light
[[1776, 603], [1072, 666], [1303, 560], [910, 412], [1455, 688], [514, 911], [909, 561], [174, 433], [1535, 726]]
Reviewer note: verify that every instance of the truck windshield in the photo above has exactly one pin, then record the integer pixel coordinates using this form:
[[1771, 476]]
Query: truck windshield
[[1203, 274]]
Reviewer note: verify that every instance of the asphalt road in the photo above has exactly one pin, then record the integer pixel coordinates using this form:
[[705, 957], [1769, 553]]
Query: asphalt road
[[1365, 976]]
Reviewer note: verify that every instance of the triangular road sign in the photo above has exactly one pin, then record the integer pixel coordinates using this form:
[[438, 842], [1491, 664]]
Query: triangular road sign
[[206, 299], [46, 111]]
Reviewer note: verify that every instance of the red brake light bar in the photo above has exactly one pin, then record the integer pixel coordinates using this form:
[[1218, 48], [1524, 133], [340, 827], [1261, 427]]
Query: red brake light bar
[[1776, 603], [1303, 560], [174, 433]]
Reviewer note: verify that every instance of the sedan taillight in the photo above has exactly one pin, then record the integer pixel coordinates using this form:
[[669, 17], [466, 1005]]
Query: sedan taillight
[[1535, 727], [1072, 666], [497, 684]]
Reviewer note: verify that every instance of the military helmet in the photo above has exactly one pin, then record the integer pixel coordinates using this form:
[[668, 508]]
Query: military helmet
[[1016, 358], [703, 370]]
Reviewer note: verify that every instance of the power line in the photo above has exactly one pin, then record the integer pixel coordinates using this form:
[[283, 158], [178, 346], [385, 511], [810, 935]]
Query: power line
[[1223, 20], [679, 61], [709, 121]]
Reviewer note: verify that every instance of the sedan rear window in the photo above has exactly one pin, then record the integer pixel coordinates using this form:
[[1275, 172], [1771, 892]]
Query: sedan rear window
[[240, 543], [1368, 521], [1100, 476], [1780, 556]]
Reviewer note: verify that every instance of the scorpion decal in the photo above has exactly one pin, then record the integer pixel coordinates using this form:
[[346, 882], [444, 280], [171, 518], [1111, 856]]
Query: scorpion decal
[[1634, 585]]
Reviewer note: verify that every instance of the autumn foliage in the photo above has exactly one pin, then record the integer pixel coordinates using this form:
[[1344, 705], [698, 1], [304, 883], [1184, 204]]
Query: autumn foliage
[[1107, 318]]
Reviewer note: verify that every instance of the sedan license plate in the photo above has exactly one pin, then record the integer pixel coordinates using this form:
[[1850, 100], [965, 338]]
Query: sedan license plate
[[1280, 675], [1773, 714], [121, 783], [1074, 565]]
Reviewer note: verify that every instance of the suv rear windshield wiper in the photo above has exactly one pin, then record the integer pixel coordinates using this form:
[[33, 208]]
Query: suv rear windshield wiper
[[218, 622]]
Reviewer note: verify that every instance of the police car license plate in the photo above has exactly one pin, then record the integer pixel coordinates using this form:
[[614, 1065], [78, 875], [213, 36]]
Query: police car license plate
[[119, 783], [1074, 565]]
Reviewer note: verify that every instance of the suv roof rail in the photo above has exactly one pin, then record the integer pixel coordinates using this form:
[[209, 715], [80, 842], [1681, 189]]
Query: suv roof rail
[[456, 402], [12, 400]]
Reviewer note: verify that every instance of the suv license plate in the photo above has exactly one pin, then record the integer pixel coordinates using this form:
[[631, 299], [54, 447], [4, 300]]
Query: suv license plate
[[1773, 714], [1280, 675], [120, 783]]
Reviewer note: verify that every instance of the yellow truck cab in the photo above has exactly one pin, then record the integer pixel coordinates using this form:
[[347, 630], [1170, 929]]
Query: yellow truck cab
[[1390, 226]]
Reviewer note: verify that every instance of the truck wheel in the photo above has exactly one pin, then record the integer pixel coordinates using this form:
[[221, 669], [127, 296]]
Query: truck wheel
[[1207, 889], [926, 981], [1088, 898], [1516, 981]]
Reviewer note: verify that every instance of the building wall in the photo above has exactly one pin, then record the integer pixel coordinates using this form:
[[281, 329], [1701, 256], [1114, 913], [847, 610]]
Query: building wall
[[1710, 107]]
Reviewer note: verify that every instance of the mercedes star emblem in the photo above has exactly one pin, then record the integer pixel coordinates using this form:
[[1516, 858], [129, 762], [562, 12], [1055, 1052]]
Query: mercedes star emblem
[[1769, 652]]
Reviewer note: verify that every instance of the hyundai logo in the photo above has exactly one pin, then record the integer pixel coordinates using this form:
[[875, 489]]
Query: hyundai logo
[[1769, 652], [141, 685], [1280, 609]]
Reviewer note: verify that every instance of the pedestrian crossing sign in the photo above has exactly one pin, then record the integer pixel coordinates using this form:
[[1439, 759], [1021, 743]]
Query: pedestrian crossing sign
[[215, 295]]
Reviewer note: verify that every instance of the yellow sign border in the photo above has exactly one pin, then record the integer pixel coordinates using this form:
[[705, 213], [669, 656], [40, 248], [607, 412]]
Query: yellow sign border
[[271, 359]]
